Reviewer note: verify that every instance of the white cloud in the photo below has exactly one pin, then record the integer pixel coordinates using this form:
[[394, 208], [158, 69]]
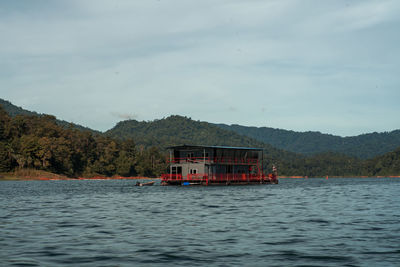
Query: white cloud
[[223, 61]]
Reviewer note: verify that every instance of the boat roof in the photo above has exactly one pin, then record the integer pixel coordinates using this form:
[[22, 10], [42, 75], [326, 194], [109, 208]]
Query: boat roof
[[218, 147]]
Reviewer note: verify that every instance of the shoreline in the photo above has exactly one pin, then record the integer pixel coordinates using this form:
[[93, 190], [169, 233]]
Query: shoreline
[[37, 175], [25, 178], [43, 178]]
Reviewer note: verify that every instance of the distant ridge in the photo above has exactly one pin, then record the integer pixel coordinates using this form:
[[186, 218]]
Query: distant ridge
[[147, 138], [164, 132], [14, 110], [308, 143], [179, 130]]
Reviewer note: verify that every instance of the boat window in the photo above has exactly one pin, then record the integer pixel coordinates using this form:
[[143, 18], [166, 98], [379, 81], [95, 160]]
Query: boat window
[[228, 168]]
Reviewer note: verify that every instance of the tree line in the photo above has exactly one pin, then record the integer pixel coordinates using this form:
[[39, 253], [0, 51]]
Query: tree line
[[178, 130], [365, 146], [138, 149], [38, 142]]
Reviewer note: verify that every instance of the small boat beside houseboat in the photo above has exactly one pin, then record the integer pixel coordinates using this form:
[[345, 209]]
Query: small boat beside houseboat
[[145, 184], [216, 165]]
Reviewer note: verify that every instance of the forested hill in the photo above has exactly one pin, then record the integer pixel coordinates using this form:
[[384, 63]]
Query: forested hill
[[14, 110], [362, 146], [165, 132], [38, 142], [178, 130]]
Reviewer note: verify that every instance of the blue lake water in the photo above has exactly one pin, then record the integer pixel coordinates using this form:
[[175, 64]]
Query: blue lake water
[[313, 222]]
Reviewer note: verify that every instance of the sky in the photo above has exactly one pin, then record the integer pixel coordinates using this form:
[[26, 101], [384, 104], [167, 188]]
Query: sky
[[304, 65]]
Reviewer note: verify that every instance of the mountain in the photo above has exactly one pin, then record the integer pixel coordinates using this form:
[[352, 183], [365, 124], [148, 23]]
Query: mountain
[[38, 143], [161, 133], [13, 111], [308, 143], [178, 130], [33, 140]]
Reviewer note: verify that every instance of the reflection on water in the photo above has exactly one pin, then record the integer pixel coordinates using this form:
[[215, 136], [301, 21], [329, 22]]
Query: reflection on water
[[313, 222]]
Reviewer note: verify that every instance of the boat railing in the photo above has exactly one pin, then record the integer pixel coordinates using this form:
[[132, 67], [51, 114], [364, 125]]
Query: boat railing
[[239, 177], [222, 160], [198, 177], [171, 177]]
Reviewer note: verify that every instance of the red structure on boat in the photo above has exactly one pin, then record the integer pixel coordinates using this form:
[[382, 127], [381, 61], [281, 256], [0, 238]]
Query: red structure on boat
[[216, 165]]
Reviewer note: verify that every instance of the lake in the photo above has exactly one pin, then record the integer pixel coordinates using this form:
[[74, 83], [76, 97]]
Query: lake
[[299, 222]]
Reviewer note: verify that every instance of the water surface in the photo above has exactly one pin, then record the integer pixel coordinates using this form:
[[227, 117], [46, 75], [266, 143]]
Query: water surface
[[313, 222]]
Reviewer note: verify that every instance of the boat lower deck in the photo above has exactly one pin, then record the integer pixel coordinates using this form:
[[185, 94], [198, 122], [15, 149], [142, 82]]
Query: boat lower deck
[[207, 182]]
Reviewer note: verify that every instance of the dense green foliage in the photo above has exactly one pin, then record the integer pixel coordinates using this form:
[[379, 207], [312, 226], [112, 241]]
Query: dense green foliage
[[13, 111], [38, 142], [330, 164], [135, 148], [308, 143], [178, 130], [386, 165]]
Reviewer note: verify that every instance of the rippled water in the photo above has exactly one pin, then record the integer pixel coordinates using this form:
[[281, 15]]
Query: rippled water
[[314, 222]]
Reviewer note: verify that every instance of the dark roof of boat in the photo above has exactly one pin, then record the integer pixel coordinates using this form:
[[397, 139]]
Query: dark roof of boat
[[218, 147]]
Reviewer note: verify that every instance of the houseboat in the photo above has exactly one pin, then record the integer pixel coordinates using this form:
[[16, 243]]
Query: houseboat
[[216, 165]]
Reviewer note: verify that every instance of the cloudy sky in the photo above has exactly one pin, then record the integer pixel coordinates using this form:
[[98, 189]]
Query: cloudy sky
[[303, 65]]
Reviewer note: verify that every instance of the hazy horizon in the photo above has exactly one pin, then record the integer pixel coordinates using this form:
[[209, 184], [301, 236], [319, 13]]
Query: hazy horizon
[[127, 119]]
